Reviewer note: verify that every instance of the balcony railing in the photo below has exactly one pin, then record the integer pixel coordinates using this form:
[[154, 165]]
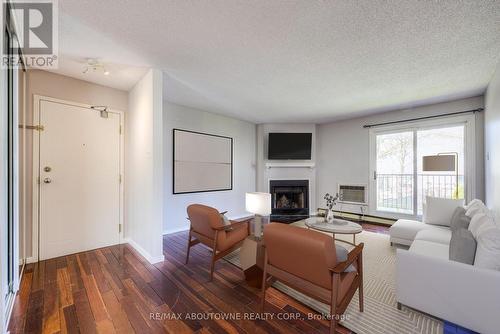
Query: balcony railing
[[395, 191]]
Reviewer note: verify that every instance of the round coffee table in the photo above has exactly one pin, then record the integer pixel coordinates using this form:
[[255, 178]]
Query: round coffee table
[[335, 226]]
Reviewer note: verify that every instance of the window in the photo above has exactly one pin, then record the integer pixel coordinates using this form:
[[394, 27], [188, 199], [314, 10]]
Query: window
[[399, 183]]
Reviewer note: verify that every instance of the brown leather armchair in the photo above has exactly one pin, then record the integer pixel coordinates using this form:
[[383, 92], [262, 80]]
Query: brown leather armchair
[[207, 228], [306, 261]]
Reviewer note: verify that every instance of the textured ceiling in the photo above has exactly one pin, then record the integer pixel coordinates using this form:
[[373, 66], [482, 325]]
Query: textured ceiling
[[295, 61]]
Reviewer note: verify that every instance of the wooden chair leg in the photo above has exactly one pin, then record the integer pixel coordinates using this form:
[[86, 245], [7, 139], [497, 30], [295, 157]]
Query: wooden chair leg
[[212, 265], [264, 284], [214, 252], [263, 301], [189, 247], [333, 304], [360, 291]]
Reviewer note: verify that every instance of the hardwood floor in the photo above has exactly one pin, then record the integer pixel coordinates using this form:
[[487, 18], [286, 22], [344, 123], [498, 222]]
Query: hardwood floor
[[115, 290]]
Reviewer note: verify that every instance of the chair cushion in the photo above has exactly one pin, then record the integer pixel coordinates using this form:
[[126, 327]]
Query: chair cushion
[[304, 253], [438, 211], [462, 246], [440, 235], [204, 219], [228, 239], [406, 229], [432, 249]]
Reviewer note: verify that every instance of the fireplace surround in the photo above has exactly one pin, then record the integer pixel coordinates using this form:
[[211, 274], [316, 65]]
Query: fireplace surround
[[290, 200]]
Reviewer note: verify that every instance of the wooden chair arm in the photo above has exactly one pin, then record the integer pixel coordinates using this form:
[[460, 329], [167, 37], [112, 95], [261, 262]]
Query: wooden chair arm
[[351, 257], [233, 224]]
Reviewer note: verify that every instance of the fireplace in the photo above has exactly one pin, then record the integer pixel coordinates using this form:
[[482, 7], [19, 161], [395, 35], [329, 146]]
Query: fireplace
[[290, 200]]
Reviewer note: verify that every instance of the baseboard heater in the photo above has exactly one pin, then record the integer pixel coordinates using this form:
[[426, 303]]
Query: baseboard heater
[[367, 218]]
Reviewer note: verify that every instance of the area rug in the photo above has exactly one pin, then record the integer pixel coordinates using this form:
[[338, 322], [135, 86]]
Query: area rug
[[380, 315]]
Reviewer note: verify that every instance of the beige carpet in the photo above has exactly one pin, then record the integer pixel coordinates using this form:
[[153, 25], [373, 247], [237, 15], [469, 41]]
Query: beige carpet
[[380, 314]]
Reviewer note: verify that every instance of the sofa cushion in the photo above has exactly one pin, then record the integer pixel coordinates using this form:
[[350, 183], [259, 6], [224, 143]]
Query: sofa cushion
[[462, 246], [437, 234], [459, 219], [438, 211], [432, 249], [405, 229], [488, 248]]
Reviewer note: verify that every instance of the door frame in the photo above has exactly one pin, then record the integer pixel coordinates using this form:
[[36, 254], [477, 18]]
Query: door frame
[[37, 99]]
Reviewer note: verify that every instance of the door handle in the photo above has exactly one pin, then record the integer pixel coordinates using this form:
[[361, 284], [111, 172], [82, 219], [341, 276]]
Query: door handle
[[47, 180]]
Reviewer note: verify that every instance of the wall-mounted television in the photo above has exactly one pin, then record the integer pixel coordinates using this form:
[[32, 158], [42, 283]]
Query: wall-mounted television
[[289, 146]]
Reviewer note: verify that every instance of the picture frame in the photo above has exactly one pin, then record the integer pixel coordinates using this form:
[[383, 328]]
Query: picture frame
[[202, 162]]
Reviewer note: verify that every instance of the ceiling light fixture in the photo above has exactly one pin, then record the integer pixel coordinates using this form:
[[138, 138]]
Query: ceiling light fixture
[[94, 65]]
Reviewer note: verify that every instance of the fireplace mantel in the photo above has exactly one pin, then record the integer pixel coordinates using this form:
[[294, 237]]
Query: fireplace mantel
[[309, 165]]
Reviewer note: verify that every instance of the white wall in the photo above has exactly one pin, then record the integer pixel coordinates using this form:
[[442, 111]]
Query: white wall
[[492, 144], [343, 147], [144, 149], [264, 175], [233, 201]]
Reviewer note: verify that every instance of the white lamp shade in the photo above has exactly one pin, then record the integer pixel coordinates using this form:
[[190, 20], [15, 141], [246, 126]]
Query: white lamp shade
[[258, 203], [438, 163]]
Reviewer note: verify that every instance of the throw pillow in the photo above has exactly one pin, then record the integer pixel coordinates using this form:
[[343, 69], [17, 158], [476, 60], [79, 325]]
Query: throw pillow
[[476, 222], [488, 249], [438, 211], [462, 246], [459, 219], [473, 203], [342, 254], [475, 209]]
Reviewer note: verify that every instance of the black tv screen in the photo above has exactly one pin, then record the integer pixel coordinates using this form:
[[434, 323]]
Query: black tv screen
[[289, 146]]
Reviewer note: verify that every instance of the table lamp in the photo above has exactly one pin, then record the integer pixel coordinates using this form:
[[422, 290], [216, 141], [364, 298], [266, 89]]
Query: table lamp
[[260, 205]]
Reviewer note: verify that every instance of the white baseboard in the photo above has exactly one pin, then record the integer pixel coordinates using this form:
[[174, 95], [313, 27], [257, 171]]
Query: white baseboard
[[151, 259], [31, 259], [175, 230]]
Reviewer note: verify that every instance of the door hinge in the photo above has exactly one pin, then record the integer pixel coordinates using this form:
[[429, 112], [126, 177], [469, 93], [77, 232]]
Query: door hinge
[[374, 174], [120, 130], [120, 178], [32, 127], [119, 228]]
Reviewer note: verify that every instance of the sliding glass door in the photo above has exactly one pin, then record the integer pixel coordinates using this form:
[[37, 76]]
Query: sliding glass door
[[445, 184], [395, 172], [400, 182], [10, 196]]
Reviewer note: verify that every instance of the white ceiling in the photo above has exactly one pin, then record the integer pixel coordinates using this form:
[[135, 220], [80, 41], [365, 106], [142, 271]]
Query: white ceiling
[[290, 61]]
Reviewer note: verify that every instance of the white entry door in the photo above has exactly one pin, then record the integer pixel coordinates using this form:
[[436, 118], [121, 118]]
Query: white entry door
[[79, 179]]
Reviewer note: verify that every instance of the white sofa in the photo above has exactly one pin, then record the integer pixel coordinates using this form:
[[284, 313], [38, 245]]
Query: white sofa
[[428, 281]]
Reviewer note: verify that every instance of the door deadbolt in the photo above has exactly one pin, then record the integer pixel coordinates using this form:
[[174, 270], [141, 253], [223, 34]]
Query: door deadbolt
[[47, 180], [47, 169]]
